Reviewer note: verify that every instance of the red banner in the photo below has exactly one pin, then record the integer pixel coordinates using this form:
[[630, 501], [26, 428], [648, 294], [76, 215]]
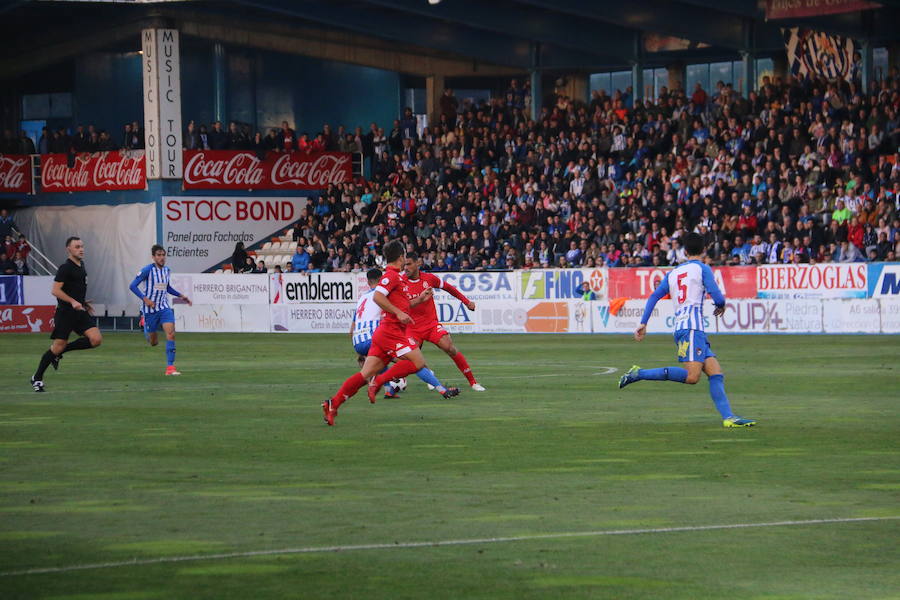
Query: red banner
[[238, 170], [15, 174], [735, 282], [26, 319], [98, 172], [793, 9]]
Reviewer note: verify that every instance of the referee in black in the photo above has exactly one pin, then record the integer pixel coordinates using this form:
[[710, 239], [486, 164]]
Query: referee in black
[[72, 312]]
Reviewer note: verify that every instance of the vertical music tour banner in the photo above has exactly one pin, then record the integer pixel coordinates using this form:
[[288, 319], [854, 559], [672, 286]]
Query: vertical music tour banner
[[161, 67]]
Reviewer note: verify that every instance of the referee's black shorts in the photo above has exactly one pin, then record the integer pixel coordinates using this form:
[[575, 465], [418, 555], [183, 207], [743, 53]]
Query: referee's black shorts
[[65, 321]]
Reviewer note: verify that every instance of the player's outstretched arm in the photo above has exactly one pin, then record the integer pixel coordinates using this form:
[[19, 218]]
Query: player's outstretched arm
[[178, 294], [709, 282], [451, 289], [661, 290], [386, 305]]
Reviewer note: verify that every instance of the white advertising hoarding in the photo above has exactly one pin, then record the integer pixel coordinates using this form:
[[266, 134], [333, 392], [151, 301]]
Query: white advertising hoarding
[[890, 315], [533, 316], [209, 288], [303, 288], [851, 316], [484, 286], [453, 315], [221, 318], [314, 317], [37, 290], [768, 316], [200, 232], [628, 317]]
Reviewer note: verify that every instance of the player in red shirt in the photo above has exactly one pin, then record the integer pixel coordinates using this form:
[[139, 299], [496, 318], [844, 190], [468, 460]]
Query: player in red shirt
[[390, 340], [425, 326]]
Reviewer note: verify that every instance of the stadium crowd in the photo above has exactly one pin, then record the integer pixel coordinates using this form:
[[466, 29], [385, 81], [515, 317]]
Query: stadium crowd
[[800, 171]]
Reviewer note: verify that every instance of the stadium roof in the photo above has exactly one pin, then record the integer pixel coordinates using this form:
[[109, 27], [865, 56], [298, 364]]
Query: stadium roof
[[577, 35]]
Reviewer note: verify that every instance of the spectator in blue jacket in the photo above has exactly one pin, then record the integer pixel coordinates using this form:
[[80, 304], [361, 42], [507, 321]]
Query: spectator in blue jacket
[[300, 260]]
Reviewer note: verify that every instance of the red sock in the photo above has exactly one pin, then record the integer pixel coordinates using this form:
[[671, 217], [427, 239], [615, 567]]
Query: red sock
[[401, 369], [350, 387], [464, 368]]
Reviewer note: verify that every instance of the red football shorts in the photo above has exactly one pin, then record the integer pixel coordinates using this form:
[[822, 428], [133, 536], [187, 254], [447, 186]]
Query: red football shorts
[[389, 343], [430, 333]]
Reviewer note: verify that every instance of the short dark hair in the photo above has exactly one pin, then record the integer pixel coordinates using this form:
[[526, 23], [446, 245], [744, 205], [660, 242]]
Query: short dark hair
[[373, 275], [393, 250], [412, 255], [156, 248], [693, 244], [72, 239]]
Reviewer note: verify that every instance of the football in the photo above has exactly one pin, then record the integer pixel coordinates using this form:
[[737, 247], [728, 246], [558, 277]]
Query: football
[[399, 384]]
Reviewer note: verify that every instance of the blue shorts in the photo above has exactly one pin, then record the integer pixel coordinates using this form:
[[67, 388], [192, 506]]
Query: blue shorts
[[362, 348], [692, 346], [153, 321]]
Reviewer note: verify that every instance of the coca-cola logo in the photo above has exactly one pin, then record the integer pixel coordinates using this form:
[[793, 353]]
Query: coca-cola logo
[[104, 171], [324, 170], [14, 173], [244, 170], [240, 169]]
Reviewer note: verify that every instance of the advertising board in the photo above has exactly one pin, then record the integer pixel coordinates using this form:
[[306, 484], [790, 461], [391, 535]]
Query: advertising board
[[200, 232], [26, 319], [319, 317], [208, 288], [851, 316], [812, 281]]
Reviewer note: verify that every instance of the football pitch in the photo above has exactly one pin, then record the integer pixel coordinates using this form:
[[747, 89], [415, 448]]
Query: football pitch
[[119, 483]]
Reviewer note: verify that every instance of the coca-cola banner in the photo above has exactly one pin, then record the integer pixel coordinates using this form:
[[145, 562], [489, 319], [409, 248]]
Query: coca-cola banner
[[15, 174], [237, 170], [200, 232], [98, 172], [26, 319]]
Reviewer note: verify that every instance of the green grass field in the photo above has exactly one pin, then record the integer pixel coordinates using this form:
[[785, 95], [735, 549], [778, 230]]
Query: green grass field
[[118, 463]]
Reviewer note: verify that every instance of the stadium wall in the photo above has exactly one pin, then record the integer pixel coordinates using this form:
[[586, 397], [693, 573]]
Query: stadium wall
[[263, 88], [117, 239], [538, 301]]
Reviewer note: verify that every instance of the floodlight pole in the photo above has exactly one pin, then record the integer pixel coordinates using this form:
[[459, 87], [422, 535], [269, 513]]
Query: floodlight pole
[[747, 58], [536, 92], [219, 82], [637, 71]]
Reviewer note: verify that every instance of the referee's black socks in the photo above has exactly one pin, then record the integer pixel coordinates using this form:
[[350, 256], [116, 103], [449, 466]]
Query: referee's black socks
[[46, 359], [81, 343]]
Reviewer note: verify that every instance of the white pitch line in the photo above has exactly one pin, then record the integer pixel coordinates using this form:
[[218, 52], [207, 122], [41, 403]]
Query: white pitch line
[[431, 544]]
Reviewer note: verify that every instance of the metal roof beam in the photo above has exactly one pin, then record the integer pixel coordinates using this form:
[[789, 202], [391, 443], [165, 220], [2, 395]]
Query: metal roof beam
[[743, 8], [657, 16], [445, 37], [547, 27]]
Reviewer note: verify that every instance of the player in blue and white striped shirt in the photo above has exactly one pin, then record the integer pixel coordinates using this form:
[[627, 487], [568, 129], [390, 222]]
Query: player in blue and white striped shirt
[[688, 285], [156, 311]]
